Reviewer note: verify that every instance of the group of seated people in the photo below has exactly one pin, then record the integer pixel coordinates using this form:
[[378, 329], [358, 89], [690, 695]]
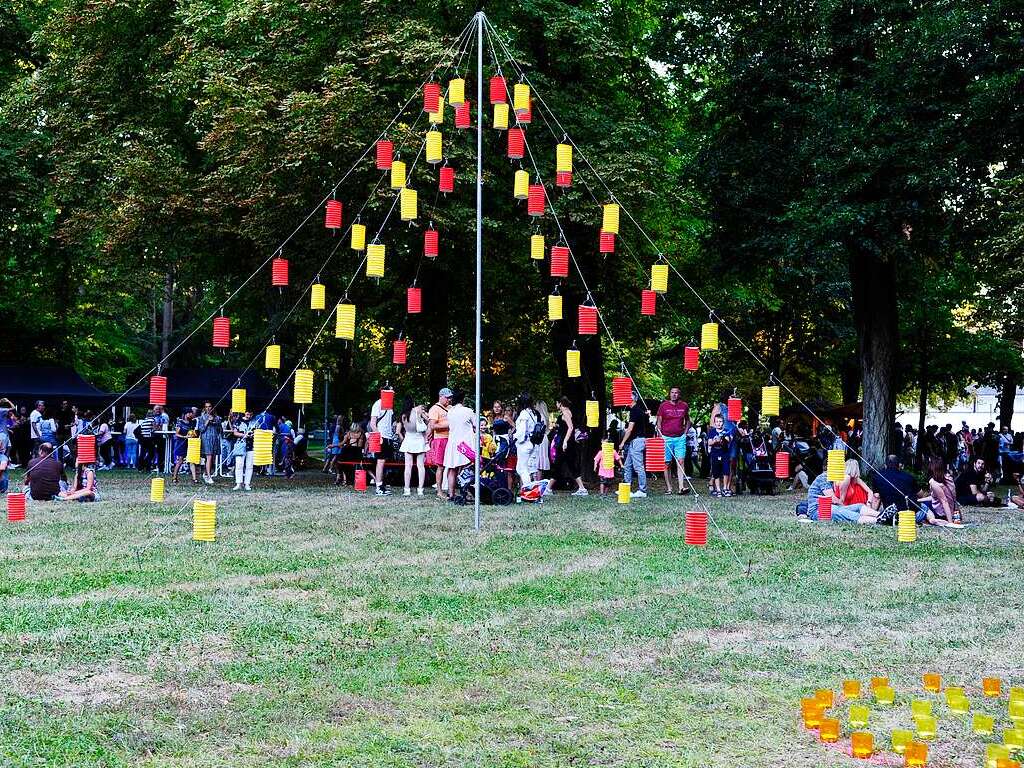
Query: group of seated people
[[46, 480]]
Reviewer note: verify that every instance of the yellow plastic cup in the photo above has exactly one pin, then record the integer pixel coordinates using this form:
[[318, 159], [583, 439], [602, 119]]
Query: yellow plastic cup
[[983, 724], [851, 689], [859, 716], [927, 726], [932, 682], [900, 738]]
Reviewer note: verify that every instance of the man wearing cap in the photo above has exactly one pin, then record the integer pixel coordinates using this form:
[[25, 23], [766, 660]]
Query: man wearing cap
[[634, 441], [437, 434]]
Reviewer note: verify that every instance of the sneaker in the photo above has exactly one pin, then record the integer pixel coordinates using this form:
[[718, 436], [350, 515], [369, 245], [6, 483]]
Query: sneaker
[[419, 492], [887, 516], [716, 494], [638, 495], [407, 492], [248, 487], [237, 488], [581, 492], [207, 479], [383, 491], [684, 491], [727, 493], [668, 492]]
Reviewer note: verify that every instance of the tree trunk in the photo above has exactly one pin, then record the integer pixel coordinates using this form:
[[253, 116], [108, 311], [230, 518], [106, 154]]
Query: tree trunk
[[1007, 395], [922, 406], [167, 325], [849, 378]]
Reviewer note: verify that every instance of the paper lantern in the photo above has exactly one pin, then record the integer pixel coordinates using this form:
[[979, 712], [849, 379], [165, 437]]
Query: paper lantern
[[537, 247], [433, 151], [500, 121], [659, 278], [317, 296], [374, 442], [262, 447], [824, 508], [926, 726], [593, 410], [836, 467], [900, 739], [521, 97], [516, 143], [397, 174], [1016, 693], [622, 391], [358, 242], [862, 744], [446, 179], [885, 696], [204, 520], [409, 204], [413, 300], [610, 218], [86, 453], [535, 201], [782, 465], [624, 493], [359, 483], [563, 178], [654, 458], [572, 363], [375, 256], [826, 696], [498, 90], [563, 158], [607, 455], [1014, 739], [696, 530], [851, 688], [272, 357], [586, 320], [385, 153], [992, 686], [828, 731], [691, 358], [920, 707], [859, 716], [303, 392], [436, 118], [158, 390], [456, 90], [156, 490], [431, 243], [770, 401], [221, 332], [431, 97], [1015, 709], [554, 307], [15, 507], [709, 336], [734, 408], [521, 185], [464, 115], [193, 454], [399, 353], [238, 400], [387, 399], [526, 116], [279, 273], [345, 321], [982, 724], [559, 261], [932, 682], [648, 302], [606, 242], [332, 216]]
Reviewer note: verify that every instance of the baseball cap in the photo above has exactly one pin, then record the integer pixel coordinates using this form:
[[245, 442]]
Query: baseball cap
[[445, 392]]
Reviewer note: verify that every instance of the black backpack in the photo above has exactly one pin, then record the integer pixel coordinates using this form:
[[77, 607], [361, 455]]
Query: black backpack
[[538, 431]]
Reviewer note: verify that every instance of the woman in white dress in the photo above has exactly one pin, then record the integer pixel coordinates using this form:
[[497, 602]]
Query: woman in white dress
[[413, 425], [461, 430]]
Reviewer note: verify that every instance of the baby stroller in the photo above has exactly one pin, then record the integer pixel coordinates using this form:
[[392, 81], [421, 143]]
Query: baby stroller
[[492, 481], [760, 474]]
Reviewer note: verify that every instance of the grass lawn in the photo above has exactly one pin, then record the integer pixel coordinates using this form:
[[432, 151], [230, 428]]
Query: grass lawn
[[324, 628]]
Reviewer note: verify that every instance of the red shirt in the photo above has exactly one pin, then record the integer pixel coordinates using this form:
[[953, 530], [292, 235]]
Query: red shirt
[[673, 418]]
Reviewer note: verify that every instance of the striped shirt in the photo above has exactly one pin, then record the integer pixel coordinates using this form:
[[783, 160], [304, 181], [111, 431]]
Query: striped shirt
[[146, 427]]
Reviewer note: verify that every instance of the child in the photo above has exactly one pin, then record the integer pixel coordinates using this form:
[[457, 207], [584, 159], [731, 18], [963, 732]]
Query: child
[[718, 449], [606, 475]]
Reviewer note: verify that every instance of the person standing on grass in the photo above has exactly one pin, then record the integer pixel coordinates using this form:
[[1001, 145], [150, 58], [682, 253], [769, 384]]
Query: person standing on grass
[[528, 439], [184, 428], [673, 422], [437, 434], [35, 419], [243, 452], [569, 468], [718, 451], [634, 441], [461, 435], [413, 428], [209, 430], [382, 420], [131, 440]]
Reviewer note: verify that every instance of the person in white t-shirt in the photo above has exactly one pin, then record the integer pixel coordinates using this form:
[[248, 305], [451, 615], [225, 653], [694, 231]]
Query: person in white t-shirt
[[526, 450], [35, 424], [383, 420]]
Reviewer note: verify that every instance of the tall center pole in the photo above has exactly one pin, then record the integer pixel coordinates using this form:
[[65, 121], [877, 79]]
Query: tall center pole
[[479, 250]]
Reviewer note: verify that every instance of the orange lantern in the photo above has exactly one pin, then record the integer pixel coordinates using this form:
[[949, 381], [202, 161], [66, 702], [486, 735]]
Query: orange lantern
[[332, 217], [279, 273], [587, 320], [400, 352], [563, 178], [431, 97], [385, 154], [158, 390], [414, 300], [648, 302], [691, 357], [535, 201], [622, 391], [654, 459], [559, 261], [782, 465], [221, 332], [696, 531], [430, 243], [516, 143], [446, 179], [86, 449]]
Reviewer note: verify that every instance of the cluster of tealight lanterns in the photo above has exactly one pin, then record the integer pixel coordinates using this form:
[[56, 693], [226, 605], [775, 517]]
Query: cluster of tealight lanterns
[[912, 744]]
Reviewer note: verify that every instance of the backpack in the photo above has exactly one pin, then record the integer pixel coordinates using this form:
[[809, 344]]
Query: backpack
[[538, 431]]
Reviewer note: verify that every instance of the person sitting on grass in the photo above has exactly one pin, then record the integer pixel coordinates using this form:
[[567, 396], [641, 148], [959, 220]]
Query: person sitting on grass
[[1016, 498], [85, 487], [44, 475], [852, 500], [718, 448], [973, 487], [944, 508]]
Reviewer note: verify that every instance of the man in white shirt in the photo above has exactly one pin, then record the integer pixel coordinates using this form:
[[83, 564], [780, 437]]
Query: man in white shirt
[[35, 423], [383, 421]]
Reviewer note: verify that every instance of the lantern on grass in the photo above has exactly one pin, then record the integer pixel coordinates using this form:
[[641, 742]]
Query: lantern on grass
[[521, 185], [332, 216], [498, 90], [654, 458], [770, 400], [374, 443], [659, 277], [586, 320], [446, 179], [537, 247], [607, 455], [358, 242], [824, 508], [272, 357], [399, 353], [409, 204], [204, 520], [535, 201], [433, 151], [500, 120], [464, 115], [952, 692], [436, 118], [709, 336], [158, 390], [303, 394], [221, 332], [622, 391], [516, 143], [563, 158], [648, 302], [279, 272], [317, 296], [624, 493], [375, 256], [521, 97], [413, 300], [15, 507], [859, 714], [610, 218], [387, 399], [385, 154], [927, 726], [593, 410], [456, 90], [691, 358], [572, 363], [920, 707], [862, 744], [193, 453], [901, 737], [782, 465], [851, 688], [606, 242], [828, 731], [836, 465], [813, 713], [397, 174], [262, 447], [345, 321], [559, 261], [1015, 709], [431, 243], [431, 97], [554, 307], [156, 490], [879, 682], [359, 481], [982, 724], [885, 696], [696, 530], [994, 754], [992, 686], [959, 705], [932, 682], [735, 408], [238, 400]]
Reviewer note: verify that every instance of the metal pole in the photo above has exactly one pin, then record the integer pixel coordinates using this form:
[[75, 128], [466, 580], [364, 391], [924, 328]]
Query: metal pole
[[479, 249]]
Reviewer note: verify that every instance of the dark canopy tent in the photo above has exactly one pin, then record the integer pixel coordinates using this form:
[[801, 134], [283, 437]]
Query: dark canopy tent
[[193, 386], [24, 385]]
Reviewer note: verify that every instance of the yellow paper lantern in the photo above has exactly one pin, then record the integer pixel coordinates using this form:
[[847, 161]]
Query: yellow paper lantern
[[537, 247], [456, 90], [554, 307], [659, 278], [436, 118], [303, 386], [272, 357], [262, 447], [1015, 709], [317, 296], [572, 363], [238, 401], [345, 321], [375, 253], [521, 185], [906, 526], [192, 451], [607, 455], [521, 98], [204, 520], [563, 158], [610, 220], [358, 237], [500, 117], [397, 174], [953, 691], [156, 490], [770, 401], [409, 204], [885, 695], [1014, 739], [836, 468], [593, 413], [709, 336], [434, 147], [624, 493]]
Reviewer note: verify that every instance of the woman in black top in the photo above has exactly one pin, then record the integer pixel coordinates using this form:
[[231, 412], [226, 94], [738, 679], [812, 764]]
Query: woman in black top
[[568, 464]]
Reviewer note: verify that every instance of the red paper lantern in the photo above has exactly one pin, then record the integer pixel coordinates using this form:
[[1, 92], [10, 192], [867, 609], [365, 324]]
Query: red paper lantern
[[654, 459], [387, 399], [279, 273], [696, 534], [622, 391], [648, 302], [735, 405], [526, 116], [332, 218], [587, 320], [563, 179], [499, 91], [413, 300], [446, 179], [463, 115], [373, 442], [431, 97], [691, 357], [221, 332], [430, 243], [158, 390], [782, 465], [535, 200], [86, 449], [516, 143], [15, 507], [824, 507], [606, 244], [360, 480], [559, 261], [400, 352], [385, 154]]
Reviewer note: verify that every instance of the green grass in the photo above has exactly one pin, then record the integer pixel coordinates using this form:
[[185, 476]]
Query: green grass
[[328, 629]]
